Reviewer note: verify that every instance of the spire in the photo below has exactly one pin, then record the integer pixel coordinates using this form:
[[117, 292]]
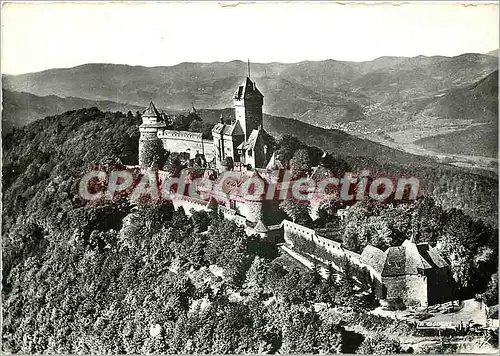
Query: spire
[[248, 68], [151, 111]]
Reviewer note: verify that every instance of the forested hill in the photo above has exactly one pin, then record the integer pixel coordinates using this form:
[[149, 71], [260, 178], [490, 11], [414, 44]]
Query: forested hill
[[21, 108], [111, 279]]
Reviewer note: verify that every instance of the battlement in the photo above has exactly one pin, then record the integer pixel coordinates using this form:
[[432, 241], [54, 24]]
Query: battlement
[[185, 135]]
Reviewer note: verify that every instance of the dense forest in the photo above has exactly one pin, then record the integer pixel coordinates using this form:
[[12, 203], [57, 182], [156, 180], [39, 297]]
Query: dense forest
[[120, 278]]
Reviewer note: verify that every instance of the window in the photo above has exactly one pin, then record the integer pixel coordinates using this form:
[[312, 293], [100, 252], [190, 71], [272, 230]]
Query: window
[[249, 153]]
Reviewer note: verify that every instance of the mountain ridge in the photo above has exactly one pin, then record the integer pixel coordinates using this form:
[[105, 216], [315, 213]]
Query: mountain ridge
[[388, 98]]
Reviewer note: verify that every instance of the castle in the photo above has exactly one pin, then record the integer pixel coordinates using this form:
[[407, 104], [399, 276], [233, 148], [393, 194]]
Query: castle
[[239, 144], [410, 274]]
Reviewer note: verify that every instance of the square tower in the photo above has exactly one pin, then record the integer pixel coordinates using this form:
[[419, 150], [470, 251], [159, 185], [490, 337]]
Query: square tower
[[248, 101]]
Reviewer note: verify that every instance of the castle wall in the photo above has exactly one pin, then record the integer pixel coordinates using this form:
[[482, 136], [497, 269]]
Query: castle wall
[[189, 203], [185, 141], [331, 246]]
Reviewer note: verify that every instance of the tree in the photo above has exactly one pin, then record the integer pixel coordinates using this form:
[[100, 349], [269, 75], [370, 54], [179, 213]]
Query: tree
[[300, 163], [329, 287], [287, 145], [201, 220], [379, 344], [173, 165], [490, 297], [298, 210]]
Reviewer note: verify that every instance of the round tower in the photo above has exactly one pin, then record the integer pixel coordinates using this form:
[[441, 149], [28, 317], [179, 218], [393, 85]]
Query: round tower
[[149, 144], [254, 194]]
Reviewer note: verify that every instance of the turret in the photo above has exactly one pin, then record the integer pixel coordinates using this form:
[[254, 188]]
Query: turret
[[149, 144]]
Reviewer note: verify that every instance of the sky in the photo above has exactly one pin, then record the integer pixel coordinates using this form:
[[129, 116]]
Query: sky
[[38, 36]]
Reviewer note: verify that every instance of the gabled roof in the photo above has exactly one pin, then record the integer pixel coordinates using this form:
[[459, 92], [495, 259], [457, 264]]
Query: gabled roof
[[233, 129], [394, 264], [151, 111], [252, 140], [274, 163], [374, 257], [246, 89]]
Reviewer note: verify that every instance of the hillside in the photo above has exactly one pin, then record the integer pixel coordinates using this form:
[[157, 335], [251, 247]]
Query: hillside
[[477, 102], [21, 108], [493, 53], [481, 140]]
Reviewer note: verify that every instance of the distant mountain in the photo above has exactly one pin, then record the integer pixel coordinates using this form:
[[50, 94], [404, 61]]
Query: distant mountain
[[327, 91], [389, 99], [477, 102], [20, 109]]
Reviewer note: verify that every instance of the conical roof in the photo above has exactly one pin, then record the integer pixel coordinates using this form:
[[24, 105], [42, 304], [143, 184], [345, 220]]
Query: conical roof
[[151, 111], [260, 227], [212, 203]]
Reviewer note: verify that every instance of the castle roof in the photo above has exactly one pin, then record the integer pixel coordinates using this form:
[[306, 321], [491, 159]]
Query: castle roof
[[252, 140], [261, 227], [409, 258], [228, 130], [212, 202], [431, 255], [374, 257], [246, 89], [274, 163], [151, 111], [406, 259]]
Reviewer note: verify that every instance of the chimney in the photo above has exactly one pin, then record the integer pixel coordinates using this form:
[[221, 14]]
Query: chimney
[[221, 119]]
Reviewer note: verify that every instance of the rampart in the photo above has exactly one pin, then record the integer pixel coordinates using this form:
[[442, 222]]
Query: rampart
[[186, 141]]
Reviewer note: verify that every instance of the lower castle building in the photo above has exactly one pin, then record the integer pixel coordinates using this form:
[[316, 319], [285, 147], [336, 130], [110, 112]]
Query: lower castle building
[[410, 274]]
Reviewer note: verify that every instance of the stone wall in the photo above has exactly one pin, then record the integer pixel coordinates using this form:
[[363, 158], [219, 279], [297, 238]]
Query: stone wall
[[185, 141], [188, 203], [333, 247]]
